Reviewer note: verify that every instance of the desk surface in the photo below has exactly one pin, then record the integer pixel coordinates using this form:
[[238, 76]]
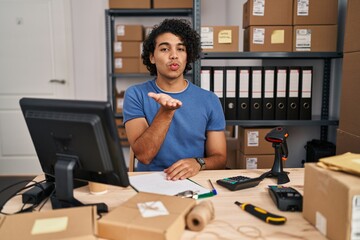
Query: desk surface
[[228, 216]]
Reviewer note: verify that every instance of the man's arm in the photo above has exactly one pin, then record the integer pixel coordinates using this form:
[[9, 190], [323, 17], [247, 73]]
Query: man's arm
[[146, 140], [215, 158]]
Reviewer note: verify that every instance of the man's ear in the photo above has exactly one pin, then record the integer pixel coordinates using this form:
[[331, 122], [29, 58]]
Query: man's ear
[[152, 60]]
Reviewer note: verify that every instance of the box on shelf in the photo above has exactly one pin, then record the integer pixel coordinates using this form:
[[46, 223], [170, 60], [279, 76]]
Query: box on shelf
[[315, 38], [172, 4], [256, 161], [347, 142], [68, 223], [252, 141], [127, 49], [232, 152], [273, 12], [350, 97], [352, 27], [129, 32], [332, 202], [119, 97], [220, 38], [129, 4], [315, 12], [128, 222], [126, 65], [268, 39]]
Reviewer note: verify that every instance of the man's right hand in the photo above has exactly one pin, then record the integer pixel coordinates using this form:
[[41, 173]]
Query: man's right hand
[[165, 100]]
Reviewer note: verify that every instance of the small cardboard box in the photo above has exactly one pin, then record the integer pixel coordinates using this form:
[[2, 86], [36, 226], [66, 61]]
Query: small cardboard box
[[232, 152], [127, 222], [352, 27], [129, 32], [315, 38], [350, 97], [332, 202], [128, 4], [268, 39], [126, 65], [69, 223], [172, 4], [347, 142], [315, 12], [127, 49], [253, 161], [252, 141], [220, 38], [273, 12]]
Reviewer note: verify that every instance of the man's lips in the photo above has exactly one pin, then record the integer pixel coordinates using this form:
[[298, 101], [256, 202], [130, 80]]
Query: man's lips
[[174, 66]]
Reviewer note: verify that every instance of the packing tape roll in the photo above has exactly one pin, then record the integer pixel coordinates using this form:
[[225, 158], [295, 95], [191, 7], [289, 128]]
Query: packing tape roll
[[200, 216]]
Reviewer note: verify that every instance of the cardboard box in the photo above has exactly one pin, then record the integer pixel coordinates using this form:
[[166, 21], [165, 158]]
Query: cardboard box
[[347, 142], [273, 12], [69, 223], [352, 27], [315, 12], [126, 65], [220, 38], [127, 49], [251, 161], [350, 97], [129, 32], [127, 222], [232, 152], [128, 4], [172, 4], [320, 38], [268, 39], [252, 141], [331, 201]]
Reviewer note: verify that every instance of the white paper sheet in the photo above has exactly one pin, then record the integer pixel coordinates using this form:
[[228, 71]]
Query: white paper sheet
[[157, 183]]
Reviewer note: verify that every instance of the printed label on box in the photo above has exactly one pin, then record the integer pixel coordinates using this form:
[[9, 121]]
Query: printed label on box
[[355, 219], [251, 163], [253, 139], [207, 38], [152, 209], [120, 30], [259, 36], [118, 47], [258, 8], [118, 63], [320, 223], [303, 7], [303, 39]]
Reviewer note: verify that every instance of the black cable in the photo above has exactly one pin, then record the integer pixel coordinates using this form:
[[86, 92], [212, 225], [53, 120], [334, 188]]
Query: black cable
[[47, 199]]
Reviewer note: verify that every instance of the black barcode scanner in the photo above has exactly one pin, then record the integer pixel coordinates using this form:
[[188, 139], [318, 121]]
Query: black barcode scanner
[[277, 137]]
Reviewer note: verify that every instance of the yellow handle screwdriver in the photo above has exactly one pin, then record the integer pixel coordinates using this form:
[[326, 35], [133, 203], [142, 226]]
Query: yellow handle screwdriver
[[262, 214]]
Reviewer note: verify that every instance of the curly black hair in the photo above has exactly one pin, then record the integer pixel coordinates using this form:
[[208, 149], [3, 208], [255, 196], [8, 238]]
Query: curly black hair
[[180, 28]]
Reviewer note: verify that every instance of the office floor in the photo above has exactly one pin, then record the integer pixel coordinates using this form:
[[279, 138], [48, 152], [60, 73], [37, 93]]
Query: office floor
[[6, 181]]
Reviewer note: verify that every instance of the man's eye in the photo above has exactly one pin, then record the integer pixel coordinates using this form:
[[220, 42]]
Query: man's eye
[[181, 49], [164, 49]]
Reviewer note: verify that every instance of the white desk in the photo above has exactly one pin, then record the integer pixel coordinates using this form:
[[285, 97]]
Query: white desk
[[228, 216]]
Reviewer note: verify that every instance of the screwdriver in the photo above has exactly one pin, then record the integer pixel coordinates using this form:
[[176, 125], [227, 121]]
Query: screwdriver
[[262, 214]]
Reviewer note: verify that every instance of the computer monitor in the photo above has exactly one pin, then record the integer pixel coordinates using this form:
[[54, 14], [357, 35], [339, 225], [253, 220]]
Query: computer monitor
[[75, 140]]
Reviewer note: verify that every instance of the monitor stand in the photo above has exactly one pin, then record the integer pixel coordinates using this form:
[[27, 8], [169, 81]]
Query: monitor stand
[[64, 185]]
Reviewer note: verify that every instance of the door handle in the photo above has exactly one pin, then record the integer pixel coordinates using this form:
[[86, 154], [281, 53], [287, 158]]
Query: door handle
[[61, 81]]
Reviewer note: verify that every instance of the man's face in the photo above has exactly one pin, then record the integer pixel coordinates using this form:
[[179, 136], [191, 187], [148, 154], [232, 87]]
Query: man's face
[[169, 56]]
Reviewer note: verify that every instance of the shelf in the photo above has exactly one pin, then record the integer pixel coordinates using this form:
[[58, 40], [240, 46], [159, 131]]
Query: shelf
[[256, 123], [149, 12], [270, 55]]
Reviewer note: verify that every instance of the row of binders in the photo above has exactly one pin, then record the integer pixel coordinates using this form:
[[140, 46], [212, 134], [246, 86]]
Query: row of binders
[[261, 93]]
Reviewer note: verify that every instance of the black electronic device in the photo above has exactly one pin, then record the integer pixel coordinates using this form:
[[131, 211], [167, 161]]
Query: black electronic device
[[239, 182], [286, 198], [75, 140]]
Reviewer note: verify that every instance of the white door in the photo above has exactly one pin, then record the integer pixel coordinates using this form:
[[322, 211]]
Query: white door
[[35, 61]]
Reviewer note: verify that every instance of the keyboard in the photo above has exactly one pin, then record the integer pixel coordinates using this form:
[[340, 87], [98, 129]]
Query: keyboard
[[239, 182]]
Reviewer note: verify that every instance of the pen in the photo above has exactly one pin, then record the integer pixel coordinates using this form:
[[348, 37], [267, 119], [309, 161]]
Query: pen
[[262, 214], [213, 188]]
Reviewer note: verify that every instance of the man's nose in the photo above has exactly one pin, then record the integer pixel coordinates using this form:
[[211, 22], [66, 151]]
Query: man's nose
[[173, 54]]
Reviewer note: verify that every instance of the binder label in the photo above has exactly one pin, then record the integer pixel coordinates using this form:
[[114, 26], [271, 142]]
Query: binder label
[[205, 79], [306, 84], [230, 83], [244, 84], [269, 84], [256, 84], [294, 83], [218, 83], [281, 84], [207, 37]]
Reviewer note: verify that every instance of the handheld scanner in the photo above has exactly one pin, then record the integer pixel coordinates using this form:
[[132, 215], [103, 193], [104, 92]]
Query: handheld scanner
[[279, 135]]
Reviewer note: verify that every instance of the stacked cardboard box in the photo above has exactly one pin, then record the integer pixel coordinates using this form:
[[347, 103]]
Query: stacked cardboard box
[[255, 151], [122, 133], [348, 134], [315, 25], [220, 38], [268, 25], [144, 4]]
